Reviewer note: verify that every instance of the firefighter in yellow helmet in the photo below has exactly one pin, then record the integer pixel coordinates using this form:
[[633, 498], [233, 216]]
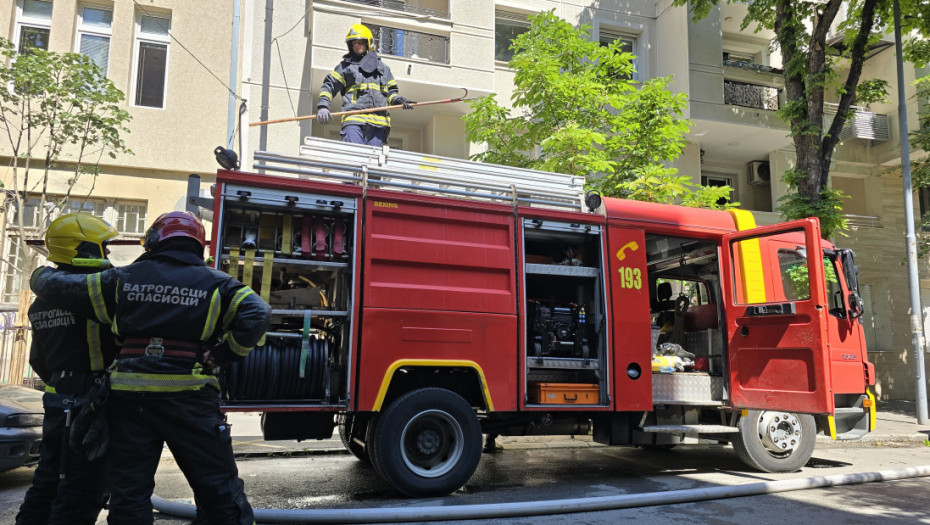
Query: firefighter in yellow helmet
[[364, 82], [176, 317], [70, 353]]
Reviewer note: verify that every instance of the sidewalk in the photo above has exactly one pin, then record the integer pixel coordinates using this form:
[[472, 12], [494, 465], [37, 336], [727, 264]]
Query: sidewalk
[[896, 423]]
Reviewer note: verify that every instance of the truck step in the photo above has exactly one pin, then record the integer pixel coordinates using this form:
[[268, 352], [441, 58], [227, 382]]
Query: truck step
[[691, 429]]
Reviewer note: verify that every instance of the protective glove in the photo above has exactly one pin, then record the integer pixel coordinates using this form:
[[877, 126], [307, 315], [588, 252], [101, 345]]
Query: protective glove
[[408, 104], [323, 116], [90, 433]]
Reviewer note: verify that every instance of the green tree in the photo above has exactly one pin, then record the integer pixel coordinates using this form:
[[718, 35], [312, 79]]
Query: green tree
[[58, 112], [578, 110], [813, 70]]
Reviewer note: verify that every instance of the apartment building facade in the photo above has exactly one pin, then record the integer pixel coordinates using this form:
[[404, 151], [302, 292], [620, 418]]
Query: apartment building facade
[[178, 108], [437, 47]]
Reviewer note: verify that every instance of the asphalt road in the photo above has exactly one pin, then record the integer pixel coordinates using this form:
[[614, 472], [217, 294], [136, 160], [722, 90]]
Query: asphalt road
[[341, 481]]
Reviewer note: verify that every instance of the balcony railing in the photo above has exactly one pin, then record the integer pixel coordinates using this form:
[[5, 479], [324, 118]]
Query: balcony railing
[[861, 124], [398, 5], [760, 68], [411, 44], [750, 95]]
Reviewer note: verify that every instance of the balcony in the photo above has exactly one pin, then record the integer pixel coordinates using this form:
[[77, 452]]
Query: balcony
[[400, 5], [759, 68], [750, 95], [861, 124], [411, 44]]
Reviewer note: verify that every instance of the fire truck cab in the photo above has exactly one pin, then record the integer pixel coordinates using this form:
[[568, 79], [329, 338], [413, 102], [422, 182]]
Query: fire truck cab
[[420, 303]]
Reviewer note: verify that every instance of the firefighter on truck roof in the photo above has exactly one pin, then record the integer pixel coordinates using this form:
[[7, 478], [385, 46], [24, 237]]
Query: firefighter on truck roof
[[177, 318], [69, 352], [364, 82]]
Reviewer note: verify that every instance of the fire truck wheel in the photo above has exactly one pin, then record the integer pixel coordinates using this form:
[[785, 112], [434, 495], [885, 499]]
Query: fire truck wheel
[[773, 441], [346, 422], [427, 443]]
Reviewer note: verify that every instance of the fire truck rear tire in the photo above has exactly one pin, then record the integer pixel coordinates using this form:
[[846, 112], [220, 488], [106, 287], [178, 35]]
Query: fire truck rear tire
[[775, 441], [427, 443]]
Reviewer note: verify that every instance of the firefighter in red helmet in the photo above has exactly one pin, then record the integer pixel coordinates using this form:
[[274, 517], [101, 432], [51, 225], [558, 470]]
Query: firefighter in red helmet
[[70, 352], [173, 315]]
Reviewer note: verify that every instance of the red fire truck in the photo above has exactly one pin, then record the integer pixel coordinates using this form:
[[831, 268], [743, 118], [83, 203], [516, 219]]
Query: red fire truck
[[421, 302]]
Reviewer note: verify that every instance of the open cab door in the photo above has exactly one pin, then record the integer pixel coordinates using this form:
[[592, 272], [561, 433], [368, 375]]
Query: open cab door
[[776, 306]]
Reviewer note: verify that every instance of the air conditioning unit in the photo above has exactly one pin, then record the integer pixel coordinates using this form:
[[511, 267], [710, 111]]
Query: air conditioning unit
[[759, 172]]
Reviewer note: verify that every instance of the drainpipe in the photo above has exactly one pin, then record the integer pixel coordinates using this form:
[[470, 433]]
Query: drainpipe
[[913, 279], [266, 75]]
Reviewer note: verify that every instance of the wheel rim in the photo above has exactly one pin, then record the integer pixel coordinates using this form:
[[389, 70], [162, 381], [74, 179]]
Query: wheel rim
[[432, 443], [780, 432]]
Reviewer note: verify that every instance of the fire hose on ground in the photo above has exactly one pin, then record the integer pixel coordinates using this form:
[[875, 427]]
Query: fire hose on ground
[[559, 506]]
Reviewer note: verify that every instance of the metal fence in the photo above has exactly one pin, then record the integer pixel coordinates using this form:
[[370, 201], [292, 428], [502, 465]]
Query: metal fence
[[750, 95], [411, 44]]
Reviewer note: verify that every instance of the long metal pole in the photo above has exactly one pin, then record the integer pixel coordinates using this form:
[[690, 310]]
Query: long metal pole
[[266, 75], [233, 76], [913, 280]]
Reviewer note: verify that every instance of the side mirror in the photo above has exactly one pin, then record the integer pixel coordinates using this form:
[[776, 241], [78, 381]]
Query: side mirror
[[855, 305]]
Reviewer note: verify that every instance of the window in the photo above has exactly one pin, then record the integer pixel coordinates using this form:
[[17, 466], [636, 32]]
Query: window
[[507, 26], [12, 273], [413, 44], [717, 181], [93, 34], [627, 45], [130, 218], [33, 25], [152, 38]]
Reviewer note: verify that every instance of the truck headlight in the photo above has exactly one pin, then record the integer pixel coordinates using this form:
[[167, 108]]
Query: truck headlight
[[24, 420]]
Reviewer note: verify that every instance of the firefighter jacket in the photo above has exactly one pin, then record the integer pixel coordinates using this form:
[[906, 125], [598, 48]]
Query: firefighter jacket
[[68, 349], [167, 307], [364, 82]]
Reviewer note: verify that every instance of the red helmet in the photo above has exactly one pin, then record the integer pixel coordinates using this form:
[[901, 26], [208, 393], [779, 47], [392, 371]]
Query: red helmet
[[174, 224]]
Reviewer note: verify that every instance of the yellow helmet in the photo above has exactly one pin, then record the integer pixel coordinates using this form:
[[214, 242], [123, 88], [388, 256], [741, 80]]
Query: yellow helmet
[[359, 32], [79, 239]]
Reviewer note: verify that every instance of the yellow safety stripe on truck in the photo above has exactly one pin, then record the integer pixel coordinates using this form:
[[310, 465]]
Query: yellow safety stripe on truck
[[872, 411], [267, 271], [750, 257], [233, 269], [287, 236], [249, 267], [389, 374], [831, 423]]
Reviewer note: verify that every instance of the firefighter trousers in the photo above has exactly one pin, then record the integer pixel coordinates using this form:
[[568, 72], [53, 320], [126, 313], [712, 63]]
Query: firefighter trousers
[[199, 439], [76, 499]]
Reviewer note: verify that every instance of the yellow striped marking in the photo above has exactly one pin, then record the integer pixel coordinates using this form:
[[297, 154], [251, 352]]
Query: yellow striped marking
[[750, 256], [389, 374]]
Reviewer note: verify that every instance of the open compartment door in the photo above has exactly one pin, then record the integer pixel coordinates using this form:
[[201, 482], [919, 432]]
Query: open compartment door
[[776, 306]]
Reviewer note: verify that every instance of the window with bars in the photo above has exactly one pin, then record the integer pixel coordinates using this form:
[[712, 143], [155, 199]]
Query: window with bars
[[628, 44], [33, 24], [507, 26], [94, 29], [151, 51], [127, 216]]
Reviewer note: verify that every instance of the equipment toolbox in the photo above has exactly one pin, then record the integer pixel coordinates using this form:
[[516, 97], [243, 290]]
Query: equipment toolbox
[[564, 393]]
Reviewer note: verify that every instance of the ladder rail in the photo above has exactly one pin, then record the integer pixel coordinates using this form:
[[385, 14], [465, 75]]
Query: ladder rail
[[388, 168]]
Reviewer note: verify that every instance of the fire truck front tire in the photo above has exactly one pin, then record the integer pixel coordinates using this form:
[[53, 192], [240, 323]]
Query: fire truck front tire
[[427, 442], [774, 441]]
